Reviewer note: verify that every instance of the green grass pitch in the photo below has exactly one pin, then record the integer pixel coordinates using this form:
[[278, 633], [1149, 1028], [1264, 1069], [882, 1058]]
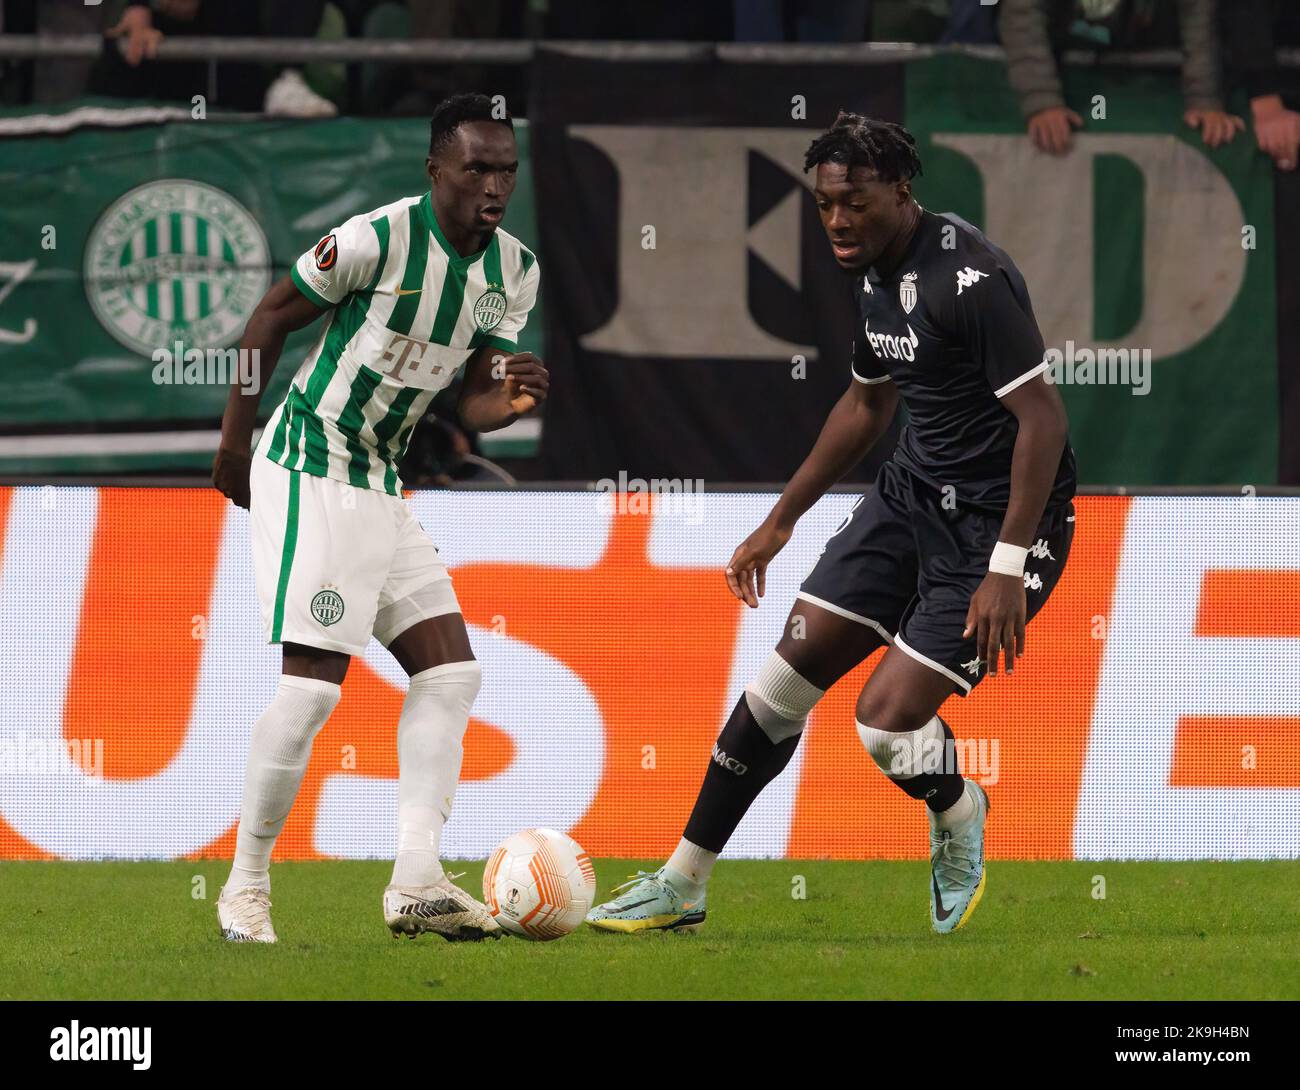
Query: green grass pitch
[[1163, 931]]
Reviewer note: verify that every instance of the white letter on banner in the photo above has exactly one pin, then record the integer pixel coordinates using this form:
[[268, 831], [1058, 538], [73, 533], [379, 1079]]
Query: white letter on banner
[[683, 301], [182, 807], [1038, 207], [551, 717], [1155, 670]]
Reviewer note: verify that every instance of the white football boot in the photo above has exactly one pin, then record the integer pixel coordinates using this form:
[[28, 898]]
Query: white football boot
[[442, 908], [245, 916]]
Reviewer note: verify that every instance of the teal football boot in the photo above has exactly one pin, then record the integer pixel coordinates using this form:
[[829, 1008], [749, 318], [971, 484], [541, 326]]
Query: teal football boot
[[957, 872], [651, 903]]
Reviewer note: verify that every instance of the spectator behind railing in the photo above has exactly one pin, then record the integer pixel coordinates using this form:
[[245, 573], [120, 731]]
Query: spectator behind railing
[[126, 73], [971, 23], [1034, 32], [288, 94], [1249, 28]]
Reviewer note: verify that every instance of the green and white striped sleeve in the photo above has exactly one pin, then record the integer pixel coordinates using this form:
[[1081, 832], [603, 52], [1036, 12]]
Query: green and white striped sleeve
[[339, 264]]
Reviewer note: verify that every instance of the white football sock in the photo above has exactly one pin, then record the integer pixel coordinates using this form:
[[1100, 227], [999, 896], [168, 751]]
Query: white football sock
[[958, 813], [902, 754], [692, 862], [434, 716], [277, 758]]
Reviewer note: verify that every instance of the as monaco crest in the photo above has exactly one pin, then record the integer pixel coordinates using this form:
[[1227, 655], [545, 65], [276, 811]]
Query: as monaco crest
[[907, 292]]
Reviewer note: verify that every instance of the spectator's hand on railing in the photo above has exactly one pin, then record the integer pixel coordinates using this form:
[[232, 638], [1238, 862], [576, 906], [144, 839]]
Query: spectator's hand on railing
[[141, 36], [1216, 126], [1277, 130], [1051, 129]]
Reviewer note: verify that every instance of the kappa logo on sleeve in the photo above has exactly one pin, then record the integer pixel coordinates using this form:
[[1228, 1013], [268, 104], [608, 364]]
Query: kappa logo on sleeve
[[327, 253]]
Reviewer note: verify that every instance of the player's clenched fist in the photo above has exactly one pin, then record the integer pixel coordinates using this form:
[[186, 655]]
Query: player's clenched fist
[[230, 475], [527, 381], [747, 569]]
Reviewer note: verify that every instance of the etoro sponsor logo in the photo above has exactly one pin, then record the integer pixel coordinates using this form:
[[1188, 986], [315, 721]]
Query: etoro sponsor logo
[[888, 346], [175, 260]]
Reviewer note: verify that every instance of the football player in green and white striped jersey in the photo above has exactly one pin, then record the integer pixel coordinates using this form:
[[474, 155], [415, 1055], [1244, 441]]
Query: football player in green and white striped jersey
[[413, 292]]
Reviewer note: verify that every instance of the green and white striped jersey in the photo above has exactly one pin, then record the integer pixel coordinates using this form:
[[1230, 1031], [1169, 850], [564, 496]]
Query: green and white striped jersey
[[406, 312]]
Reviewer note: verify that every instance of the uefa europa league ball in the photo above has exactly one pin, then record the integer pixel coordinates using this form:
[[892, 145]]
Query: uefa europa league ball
[[539, 884]]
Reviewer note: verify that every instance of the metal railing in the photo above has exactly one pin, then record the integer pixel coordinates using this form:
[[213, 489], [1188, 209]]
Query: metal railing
[[523, 51], [353, 52]]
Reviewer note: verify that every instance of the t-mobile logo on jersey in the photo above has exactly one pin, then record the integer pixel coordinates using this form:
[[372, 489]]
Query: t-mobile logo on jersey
[[406, 352]]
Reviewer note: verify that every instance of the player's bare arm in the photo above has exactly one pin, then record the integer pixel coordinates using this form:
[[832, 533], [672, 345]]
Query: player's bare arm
[[998, 608], [282, 310], [498, 389], [860, 417]]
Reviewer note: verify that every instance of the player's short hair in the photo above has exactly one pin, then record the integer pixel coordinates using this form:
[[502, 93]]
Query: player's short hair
[[451, 113], [886, 149]]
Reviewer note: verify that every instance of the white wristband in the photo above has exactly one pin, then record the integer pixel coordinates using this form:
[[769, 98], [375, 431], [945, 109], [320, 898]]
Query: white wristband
[[1008, 559]]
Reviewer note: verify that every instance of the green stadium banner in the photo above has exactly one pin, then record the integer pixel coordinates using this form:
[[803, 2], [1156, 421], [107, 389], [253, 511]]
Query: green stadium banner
[[1142, 239], [1152, 261], [127, 230]]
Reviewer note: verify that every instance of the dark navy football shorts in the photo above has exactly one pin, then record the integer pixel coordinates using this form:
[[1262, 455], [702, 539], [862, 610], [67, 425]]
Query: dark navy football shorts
[[907, 567]]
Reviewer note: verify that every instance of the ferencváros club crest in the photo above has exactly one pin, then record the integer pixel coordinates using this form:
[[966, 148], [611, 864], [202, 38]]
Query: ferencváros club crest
[[490, 308], [175, 260], [907, 292], [327, 606]]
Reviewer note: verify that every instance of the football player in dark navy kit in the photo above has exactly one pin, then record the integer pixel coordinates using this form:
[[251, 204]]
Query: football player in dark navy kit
[[956, 547]]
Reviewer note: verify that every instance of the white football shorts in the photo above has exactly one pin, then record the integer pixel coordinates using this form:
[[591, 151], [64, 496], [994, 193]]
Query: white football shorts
[[335, 564]]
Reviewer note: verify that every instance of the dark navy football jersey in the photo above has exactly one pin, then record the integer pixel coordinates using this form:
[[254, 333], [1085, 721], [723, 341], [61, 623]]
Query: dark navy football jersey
[[954, 330]]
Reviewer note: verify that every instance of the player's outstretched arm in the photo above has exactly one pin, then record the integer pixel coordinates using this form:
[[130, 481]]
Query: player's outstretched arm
[[860, 417], [282, 310], [500, 388]]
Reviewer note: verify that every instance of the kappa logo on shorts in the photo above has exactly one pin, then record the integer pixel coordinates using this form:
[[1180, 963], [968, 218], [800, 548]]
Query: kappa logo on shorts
[[1040, 551], [327, 606], [1032, 581], [973, 667]]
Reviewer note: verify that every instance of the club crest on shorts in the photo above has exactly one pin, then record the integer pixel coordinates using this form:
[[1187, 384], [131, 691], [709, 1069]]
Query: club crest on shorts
[[490, 308], [327, 606], [907, 292]]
